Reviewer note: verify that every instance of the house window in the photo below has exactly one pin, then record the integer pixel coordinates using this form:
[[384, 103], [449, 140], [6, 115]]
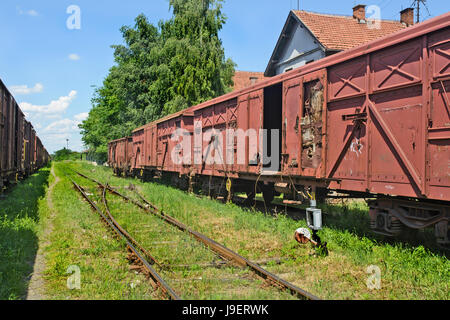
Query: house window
[[253, 80]]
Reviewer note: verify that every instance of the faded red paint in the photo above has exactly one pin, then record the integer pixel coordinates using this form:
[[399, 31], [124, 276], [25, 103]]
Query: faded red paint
[[384, 126], [21, 151]]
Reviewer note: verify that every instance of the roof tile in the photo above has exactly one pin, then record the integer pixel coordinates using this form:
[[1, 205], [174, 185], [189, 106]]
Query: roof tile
[[344, 32]]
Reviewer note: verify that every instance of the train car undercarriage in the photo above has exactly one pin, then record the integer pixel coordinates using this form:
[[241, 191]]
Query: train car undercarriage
[[389, 216]]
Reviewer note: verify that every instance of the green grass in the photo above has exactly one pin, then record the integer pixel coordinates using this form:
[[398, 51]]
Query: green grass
[[408, 270], [80, 239], [185, 257], [23, 210]]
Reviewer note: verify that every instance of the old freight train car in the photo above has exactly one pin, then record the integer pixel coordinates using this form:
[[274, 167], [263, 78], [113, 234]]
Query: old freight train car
[[372, 122], [21, 151], [120, 155]]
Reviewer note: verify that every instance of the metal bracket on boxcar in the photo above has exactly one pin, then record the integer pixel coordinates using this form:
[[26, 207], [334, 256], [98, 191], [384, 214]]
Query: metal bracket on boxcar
[[355, 117]]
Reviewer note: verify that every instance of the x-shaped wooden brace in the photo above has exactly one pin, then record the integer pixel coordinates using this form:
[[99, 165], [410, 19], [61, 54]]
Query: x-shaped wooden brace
[[398, 70], [348, 82], [220, 117], [233, 115], [444, 96], [390, 139], [445, 54]]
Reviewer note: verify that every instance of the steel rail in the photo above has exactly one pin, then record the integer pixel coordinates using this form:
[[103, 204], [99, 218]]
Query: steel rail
[[125, 233], [215, 246], [158, 280]]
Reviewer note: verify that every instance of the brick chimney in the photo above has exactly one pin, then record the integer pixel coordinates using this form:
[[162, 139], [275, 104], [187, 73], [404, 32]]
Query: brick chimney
[[359, 12], [407, 16]]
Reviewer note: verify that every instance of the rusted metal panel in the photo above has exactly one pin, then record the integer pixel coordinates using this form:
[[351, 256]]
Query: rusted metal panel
[[347, 144], [255, 122], [17, 152], [313, 124], [121, 153], [396, 144], [347, 80], [387, 128], [397, 66], [137, 149], [291, 145], [372, 119], [439, 119]]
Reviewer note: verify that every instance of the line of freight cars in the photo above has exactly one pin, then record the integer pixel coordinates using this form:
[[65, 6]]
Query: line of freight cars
[[21, 150], [370, 122]]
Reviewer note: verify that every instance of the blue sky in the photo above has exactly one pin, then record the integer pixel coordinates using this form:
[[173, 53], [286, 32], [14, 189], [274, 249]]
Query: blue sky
[[52, 70]]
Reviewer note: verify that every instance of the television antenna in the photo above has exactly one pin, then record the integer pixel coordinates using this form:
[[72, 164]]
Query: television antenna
[[417, 4]]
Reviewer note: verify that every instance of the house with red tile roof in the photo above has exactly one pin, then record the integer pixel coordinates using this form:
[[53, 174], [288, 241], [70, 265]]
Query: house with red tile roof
[[309, 36]]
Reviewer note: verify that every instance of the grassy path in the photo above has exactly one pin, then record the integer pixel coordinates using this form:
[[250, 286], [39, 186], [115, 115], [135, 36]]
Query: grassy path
[[36, 288], [23, 211]]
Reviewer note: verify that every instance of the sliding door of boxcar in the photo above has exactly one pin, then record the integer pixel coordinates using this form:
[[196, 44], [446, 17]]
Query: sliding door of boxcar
[[439, 124], [250, 120], [377, 118], [304, 125], [162, 145], [397, 108], [291, 145]]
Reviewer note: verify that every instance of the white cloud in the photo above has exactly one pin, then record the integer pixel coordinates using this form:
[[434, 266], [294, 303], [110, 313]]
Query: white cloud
[[55, 134], [55, 107], [32, 12], [74, 57], [82, 116], [63, 126], [23, 89]]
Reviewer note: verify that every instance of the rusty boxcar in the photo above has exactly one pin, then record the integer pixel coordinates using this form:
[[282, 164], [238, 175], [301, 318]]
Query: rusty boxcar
[[21, 152], [372, 122], [121, 155]]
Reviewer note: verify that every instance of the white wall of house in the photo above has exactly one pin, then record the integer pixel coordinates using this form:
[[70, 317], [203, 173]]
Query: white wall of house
[[300, 49]]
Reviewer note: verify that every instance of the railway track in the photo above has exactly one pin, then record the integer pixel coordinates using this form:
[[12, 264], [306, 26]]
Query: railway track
[[132, 246], [141, 254]]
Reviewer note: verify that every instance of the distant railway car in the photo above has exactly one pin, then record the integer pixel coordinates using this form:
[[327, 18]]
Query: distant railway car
[[121, 155], [18, 147], [371, 122]]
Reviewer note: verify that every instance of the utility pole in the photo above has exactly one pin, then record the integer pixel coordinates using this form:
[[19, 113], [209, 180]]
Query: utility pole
[[298, 5]]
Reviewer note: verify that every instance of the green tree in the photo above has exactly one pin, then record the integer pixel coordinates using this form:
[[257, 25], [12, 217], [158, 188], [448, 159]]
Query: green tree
[[160, 70], [66, 154]]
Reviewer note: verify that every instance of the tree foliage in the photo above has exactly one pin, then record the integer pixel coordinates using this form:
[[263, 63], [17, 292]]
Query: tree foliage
[[66, 154], [160, 70]]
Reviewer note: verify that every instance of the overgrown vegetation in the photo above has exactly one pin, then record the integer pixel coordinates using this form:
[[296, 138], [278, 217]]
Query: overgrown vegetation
[[66, 154], [22, 214], [80, 239], [407, 271], [160, 70]]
